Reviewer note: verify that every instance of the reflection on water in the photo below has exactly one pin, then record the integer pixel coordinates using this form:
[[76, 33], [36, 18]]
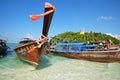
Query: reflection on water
[[56, 68]]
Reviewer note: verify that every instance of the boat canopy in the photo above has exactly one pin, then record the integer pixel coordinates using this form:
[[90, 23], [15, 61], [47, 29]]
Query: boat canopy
[[74, 47]]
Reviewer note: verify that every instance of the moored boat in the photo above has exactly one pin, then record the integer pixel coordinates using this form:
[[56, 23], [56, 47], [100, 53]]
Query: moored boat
[[3, 47], [32, 50], [25, 40], [88, 52]]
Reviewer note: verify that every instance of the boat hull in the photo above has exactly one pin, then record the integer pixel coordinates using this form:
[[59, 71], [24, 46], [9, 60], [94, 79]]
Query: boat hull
[[3, 51], [30, 53], [3, 47], [101, 56]]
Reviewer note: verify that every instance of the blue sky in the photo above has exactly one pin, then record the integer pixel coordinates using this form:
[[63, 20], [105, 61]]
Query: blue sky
[[70, 15]]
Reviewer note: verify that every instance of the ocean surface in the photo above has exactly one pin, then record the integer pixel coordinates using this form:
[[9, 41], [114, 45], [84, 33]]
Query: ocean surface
[[56, 68]]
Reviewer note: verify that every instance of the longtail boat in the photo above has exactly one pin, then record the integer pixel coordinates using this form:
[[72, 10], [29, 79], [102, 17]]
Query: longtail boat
[[33, 50], [87, 52], [3, 47], [25, 40]]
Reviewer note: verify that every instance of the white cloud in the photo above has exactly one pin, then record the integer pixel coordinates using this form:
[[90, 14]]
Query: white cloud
[[117, 36], [29, 36], [114, 35], [110, 34], [105, 18]]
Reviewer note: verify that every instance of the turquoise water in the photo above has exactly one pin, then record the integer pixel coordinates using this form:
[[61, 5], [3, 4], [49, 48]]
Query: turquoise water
[[56, 68], [11, 60]]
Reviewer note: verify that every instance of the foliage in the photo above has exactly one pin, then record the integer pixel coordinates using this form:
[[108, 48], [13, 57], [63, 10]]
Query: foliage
[[77, 37]]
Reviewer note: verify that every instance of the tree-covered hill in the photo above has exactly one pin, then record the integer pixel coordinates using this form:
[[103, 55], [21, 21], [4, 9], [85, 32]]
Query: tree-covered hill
[[77, 37]]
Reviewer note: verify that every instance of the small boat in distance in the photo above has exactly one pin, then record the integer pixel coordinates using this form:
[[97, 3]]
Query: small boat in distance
[[3, 47], [26, 40], [87, 52], [32, 50]]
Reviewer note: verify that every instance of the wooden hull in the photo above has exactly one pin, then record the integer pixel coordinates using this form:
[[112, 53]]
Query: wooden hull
[[3, 51], [30, 53], [102, 56], [3, 47]]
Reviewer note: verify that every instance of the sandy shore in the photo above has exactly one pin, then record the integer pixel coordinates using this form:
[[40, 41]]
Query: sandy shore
[[65, 70]]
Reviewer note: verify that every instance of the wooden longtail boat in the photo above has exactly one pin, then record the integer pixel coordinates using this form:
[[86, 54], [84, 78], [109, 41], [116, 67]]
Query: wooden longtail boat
[[102, 56], [32, 50], [111, 55], [25, 40], [3, 47]]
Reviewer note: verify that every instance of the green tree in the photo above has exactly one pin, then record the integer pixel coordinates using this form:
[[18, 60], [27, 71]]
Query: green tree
[[76, 37]]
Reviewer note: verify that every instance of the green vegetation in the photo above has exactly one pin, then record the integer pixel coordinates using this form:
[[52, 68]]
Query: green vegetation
[[77, 37]]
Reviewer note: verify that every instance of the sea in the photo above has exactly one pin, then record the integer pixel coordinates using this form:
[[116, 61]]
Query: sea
[[54, 67]]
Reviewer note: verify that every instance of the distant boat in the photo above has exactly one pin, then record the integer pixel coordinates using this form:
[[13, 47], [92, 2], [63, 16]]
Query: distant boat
[[87, 52], [26, 40], [30, 50], [3, 47]]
